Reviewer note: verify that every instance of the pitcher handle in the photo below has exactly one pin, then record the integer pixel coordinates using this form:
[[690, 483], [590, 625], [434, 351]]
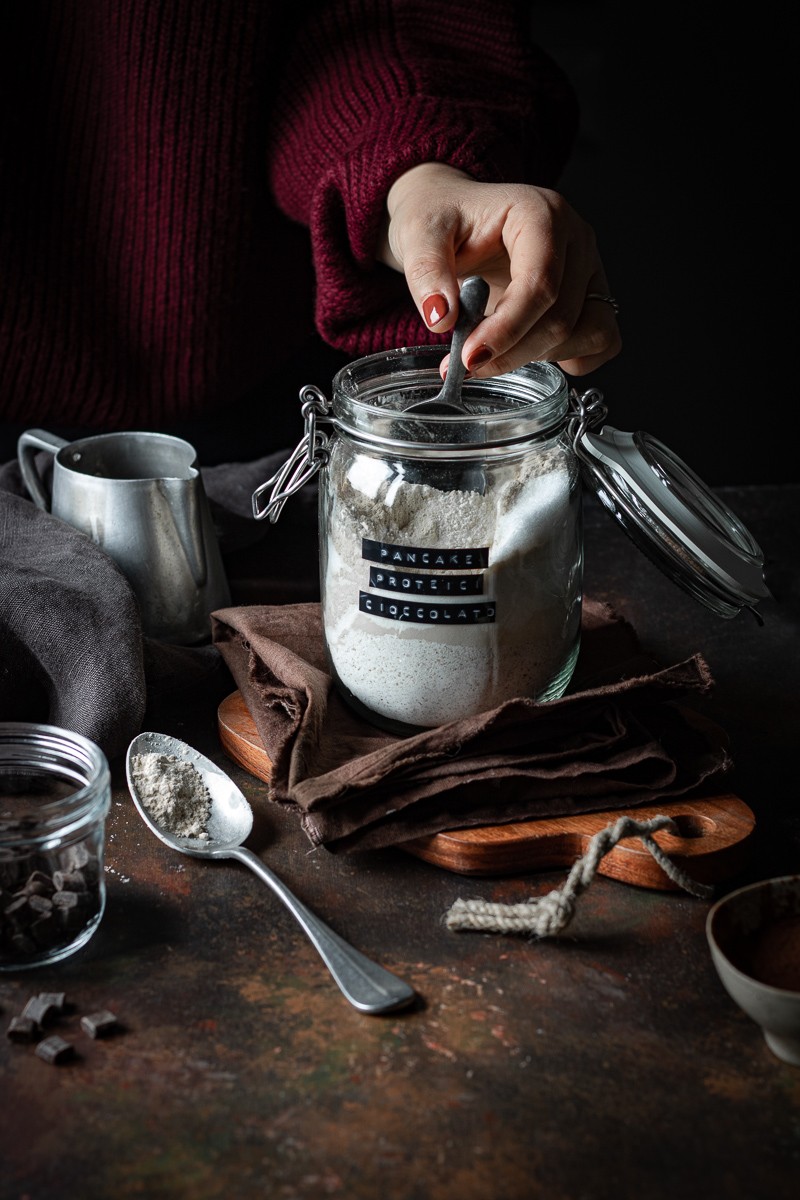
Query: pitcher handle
[[27, 445]]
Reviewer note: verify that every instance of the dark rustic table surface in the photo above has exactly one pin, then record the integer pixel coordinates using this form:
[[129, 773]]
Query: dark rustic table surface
[[606, 1062]]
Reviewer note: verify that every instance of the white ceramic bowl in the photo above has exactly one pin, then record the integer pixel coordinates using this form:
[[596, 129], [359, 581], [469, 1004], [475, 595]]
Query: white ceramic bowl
[[754, 938]]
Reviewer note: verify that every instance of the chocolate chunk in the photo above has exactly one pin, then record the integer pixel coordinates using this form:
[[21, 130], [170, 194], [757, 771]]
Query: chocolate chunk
[[35, 1009], [22, 1029], [75, 909], [41, 1008], [39, 884], [80, 858], [70, 881], [99, 1024], [17, 908], [75, 906], [55, 1000], [55, 1050], [46, 900], [75, 857]]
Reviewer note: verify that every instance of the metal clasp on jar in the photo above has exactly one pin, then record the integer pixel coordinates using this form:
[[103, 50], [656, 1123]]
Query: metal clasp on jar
[[589, 411], [310, 454]]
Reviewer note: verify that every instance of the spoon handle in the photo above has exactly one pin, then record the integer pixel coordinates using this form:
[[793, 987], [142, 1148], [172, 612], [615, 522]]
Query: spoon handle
[[369, 987], [472, 300]]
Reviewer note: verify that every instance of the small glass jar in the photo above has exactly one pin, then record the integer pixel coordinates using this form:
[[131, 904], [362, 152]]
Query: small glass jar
[[55, 794], [451, 548]]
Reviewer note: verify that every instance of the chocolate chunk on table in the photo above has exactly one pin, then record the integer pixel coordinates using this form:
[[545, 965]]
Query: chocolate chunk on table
[[56, 1000], [99, 1024], [22, 1029], [55, 1049], [44, 1006]]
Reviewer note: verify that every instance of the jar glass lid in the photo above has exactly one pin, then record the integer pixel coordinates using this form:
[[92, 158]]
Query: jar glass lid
[[669, 512]]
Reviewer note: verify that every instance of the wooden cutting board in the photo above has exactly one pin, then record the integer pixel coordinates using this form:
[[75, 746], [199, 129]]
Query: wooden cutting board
[[714, 841]]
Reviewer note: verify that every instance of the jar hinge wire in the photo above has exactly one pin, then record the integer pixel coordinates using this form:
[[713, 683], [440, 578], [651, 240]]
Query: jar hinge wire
[[589, 412], [310, 454]]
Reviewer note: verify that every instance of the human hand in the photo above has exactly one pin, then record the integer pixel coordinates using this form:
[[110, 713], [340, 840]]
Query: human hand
[[538, 256]]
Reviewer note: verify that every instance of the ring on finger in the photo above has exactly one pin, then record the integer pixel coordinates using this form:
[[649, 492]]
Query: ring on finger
[[605, 300]]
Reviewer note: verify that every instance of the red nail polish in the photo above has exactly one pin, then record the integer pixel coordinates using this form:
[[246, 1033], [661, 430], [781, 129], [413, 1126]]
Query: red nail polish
[[435, 309], [479, 358]]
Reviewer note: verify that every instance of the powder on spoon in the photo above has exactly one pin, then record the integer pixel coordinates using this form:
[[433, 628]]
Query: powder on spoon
[[174, 793]]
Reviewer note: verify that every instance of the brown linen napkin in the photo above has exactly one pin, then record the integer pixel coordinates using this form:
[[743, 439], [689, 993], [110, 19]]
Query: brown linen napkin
[[620, 738]]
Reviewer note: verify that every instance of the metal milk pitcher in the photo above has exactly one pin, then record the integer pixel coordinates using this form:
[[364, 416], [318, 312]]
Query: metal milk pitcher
[[140, 497]]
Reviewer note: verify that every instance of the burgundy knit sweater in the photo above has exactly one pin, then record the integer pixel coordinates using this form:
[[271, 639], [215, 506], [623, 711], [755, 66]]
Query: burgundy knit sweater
[[188, 187]]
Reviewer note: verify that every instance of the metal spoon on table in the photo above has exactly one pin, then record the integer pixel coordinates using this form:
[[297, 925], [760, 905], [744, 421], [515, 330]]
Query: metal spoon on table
[[472, 300], [369, 987]]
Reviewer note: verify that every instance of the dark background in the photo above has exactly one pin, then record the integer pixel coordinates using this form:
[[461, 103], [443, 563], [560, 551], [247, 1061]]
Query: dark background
[[685, 169]]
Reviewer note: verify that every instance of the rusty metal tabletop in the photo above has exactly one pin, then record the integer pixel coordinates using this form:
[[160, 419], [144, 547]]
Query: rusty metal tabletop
[[606, 1062]]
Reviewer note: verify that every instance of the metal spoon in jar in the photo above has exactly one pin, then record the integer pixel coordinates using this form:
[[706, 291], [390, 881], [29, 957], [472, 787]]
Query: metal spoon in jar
[[369, 987], [472, 300]]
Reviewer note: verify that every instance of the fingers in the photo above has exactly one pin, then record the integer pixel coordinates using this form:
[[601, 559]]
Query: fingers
[[593, 339], [552, 264], [553, 323], [538, 255], [540, 286]]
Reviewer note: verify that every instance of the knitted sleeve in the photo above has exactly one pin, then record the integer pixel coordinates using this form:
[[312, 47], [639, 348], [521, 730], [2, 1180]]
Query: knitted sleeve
[[372, 88]]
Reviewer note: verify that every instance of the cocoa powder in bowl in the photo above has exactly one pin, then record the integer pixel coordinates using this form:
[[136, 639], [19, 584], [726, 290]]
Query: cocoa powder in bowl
[[776, 954]]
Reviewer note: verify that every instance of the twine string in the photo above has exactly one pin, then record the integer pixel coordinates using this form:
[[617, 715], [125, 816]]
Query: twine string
[[548, 915]]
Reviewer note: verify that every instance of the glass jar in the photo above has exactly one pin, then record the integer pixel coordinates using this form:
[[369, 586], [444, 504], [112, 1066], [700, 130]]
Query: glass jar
[[55, 794], [451, 546]]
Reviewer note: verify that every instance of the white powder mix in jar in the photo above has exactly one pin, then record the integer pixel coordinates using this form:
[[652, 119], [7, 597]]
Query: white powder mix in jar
[[425, 674], [174, 794]]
